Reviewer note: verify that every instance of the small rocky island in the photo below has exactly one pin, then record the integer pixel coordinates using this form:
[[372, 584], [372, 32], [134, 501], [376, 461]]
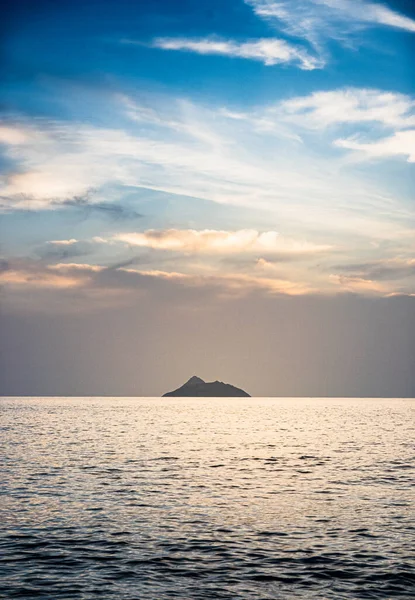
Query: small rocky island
[[213, 389]]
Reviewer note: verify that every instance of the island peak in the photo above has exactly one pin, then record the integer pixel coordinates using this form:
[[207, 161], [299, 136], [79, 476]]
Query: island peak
[[196, 387], [195, 380]]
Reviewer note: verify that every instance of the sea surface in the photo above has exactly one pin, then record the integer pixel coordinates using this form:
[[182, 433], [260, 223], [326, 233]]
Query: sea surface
[[257, 498]]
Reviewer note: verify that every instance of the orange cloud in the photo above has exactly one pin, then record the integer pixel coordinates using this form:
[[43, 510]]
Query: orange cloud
[[213, 241], [38, 279]]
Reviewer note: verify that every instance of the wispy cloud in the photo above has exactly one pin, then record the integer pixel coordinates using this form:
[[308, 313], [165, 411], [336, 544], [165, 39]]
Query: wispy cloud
[[358, 107], [112, 210], [381, 270], [319, 20], [249, 159], [370, 113], [314, 21], [401, 143], [29, 274], [349, 105], [387, 276], [212, 241], [124, 284], [270, 51], [360, 285], [64, 249], [73, 287]]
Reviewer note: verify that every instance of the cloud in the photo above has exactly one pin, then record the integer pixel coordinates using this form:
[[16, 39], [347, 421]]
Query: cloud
[[391, 269], [29, 274], [89, 205], [360, 285], [65, 164], [70, 242], [77, 267], [93, 287], [320, 20], [387, 276], [65, 249], [312, 20], [197, 257], [360, 107], [254, 161], [221, 284], [4, 265], [270, 51], [400, 143], [348, 105], [213, 241], [370, 112], [12, 136]]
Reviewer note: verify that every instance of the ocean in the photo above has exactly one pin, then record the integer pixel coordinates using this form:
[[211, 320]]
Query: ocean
[[250, 498]]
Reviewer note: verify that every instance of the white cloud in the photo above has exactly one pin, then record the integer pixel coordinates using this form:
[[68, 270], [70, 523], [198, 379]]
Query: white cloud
[[12, 135], [254, 160], [348, 105], [332, 110], [319, 20], [400, 143], [70, 242], [204, 159], [212, 241], [358, 107], [370, 12], [270, 51], [68, 267]]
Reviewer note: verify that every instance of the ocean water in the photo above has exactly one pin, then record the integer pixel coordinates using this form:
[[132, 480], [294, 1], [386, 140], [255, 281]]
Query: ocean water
[[150, 498]]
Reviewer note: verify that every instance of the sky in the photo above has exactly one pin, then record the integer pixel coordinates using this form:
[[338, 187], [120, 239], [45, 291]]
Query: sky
[[212, 188]]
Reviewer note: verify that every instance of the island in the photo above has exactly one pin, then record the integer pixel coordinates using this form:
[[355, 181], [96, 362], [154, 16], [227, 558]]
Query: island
[[196, 387]]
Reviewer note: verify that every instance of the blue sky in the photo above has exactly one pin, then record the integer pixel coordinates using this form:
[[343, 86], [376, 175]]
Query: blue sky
[[262, 142]]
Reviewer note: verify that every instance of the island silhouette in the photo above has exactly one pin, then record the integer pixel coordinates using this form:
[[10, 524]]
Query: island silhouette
[[195, 386]]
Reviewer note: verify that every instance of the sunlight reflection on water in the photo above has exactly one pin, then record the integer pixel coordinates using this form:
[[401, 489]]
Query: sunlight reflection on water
[[207, 498]]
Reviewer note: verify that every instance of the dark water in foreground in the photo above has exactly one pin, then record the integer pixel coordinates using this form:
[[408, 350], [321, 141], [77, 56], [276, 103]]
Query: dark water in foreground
[[207, 498]]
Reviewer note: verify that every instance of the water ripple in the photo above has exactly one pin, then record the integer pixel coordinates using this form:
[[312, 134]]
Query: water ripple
[[194, 499]]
